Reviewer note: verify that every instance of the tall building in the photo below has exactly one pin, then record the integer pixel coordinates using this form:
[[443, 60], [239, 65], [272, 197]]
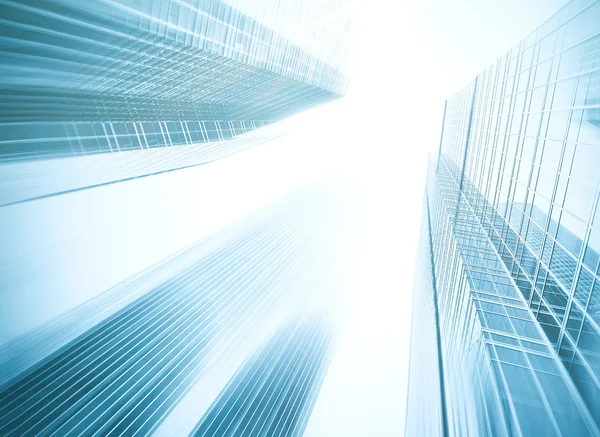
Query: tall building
[[103, 77], [506, 321], [150, 355], [274, 392]]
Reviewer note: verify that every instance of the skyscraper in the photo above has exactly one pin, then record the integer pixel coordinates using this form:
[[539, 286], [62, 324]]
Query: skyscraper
[[132, 360], [103, 77], [506, 328], [274, 392]]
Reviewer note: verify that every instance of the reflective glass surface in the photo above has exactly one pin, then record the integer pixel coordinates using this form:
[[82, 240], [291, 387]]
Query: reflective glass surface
[[513, 241], [102, 77]]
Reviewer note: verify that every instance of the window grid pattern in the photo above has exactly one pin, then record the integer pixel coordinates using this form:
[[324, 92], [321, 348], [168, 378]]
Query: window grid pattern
[[537, 163], [502, 375], [121, 363], [60, 140], [523, 153], [274, 392], [332, 20], [135, 64]]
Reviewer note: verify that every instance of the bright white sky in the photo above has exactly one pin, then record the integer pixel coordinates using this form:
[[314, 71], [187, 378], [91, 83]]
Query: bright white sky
[[408, 57]]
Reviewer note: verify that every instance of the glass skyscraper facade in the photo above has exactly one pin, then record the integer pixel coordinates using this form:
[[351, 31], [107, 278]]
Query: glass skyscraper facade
[[231, 333], [102, 77], [230, 336], [506, 322], [273, 393]]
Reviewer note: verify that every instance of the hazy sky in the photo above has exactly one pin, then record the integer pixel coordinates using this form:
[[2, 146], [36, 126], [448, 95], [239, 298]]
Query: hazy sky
[[408, 57]]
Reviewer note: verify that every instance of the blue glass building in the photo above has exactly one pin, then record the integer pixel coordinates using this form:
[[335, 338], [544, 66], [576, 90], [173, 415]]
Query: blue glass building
[[274, 392], [506, 327], [243, 313], [103, 77]]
